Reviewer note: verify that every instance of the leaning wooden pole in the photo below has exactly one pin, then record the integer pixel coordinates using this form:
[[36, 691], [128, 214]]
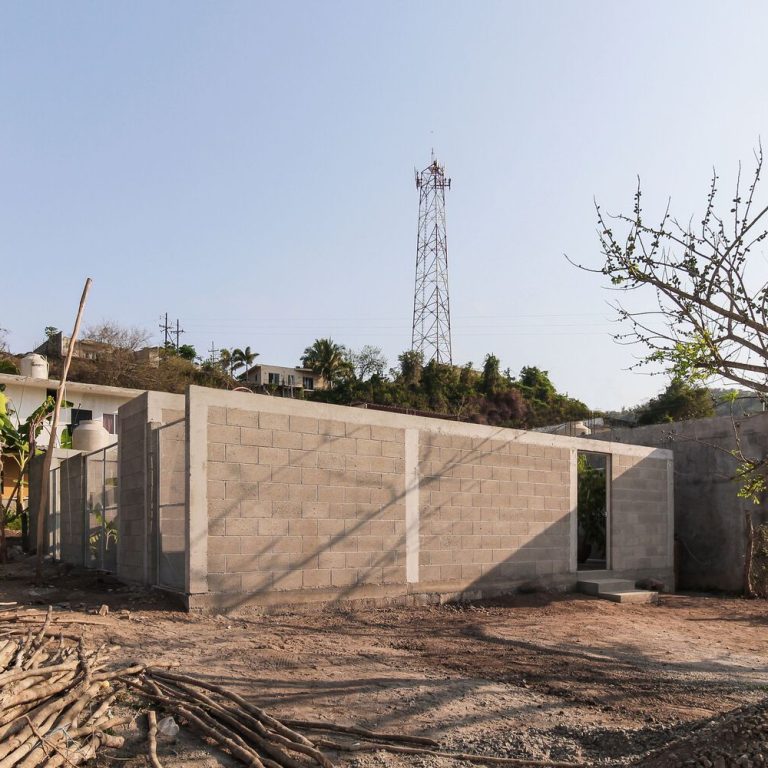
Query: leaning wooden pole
[[46, 478]]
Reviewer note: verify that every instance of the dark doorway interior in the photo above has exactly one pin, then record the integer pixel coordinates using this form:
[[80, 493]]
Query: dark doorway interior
[[592, 547]]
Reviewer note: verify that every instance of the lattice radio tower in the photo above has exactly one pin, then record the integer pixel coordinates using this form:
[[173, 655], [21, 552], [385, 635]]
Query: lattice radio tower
[[431, 309]]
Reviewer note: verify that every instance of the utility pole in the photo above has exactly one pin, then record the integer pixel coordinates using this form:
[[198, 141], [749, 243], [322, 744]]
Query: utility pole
[[213, 352], [166, 329], [431, 333], [177, 333]]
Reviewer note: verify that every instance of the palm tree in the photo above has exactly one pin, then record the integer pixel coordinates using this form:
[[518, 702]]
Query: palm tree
[[327, 359], [243, 357], [225, 361]]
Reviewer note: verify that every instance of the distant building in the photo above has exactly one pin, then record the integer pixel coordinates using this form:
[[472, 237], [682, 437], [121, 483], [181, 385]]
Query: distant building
[[89, 402], [286, 381], [56, 346]]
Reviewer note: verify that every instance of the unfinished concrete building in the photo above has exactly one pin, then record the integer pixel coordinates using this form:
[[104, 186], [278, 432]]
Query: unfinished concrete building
[[225, 498]]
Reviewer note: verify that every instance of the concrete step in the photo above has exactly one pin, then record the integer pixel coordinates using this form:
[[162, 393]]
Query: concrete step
[[598, 586], [631, 596]]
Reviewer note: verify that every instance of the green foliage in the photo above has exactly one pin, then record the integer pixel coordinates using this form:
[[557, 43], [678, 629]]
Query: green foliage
[[411, 363], [107, 528], [8, 366], [492, 380], [679, 401], [750, 475], [483, 397], [242, 358], [591, 511], [329, 360], [535, 384], [18, 444]]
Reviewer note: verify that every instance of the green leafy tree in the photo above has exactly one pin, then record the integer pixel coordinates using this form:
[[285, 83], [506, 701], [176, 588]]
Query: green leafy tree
[[328, 359], [187, 352], [492, 379], [411, 364], [535, 384], [679, 401]]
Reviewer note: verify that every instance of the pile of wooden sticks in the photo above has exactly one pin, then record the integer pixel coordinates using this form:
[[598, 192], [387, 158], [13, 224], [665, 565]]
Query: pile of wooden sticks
[[57, 697]]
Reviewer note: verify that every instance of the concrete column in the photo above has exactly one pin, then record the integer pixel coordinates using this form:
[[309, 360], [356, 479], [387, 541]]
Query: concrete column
[[196, 531], [573, 468], [412, 525], [671, 513]]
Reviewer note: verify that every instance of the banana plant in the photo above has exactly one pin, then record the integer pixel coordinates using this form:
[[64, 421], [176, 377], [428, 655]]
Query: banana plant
[[18, 443]]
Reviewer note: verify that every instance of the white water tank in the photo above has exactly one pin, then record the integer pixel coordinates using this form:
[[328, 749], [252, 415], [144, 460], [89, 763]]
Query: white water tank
[[34, 366], [91, 436]]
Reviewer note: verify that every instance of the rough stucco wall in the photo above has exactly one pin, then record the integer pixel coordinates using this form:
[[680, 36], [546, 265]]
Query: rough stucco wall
[[492, 509], [709, 518], [297, 502]]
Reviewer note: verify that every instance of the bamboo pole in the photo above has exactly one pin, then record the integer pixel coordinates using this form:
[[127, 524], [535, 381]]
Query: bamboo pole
[[45, 480]]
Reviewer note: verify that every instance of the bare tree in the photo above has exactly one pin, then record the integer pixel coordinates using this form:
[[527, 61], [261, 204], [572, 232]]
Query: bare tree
[[369, 361], [3, 340], [709, 279], [129, 338]]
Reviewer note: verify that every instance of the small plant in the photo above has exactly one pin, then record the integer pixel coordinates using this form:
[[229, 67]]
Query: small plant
[[104, 527]]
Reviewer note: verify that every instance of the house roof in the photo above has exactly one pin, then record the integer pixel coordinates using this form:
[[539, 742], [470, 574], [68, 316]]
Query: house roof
[[72, 386]]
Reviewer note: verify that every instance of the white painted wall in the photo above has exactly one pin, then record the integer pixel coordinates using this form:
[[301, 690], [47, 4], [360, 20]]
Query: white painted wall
[[26, 394]]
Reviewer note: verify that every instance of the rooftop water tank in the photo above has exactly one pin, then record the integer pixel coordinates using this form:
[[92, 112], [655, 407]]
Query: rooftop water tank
[[34, 366], [91, 436]]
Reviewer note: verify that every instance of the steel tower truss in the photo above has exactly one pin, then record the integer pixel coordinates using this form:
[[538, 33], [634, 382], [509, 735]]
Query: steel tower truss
[[431, 333]]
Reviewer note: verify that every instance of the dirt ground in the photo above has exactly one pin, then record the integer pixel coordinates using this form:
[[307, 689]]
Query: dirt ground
[[558, 677]]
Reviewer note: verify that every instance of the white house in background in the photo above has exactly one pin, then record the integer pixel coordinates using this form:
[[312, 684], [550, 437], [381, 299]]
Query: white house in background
[[89, 401]]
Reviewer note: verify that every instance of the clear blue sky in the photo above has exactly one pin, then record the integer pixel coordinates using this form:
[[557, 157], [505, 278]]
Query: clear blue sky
[[248, 167]]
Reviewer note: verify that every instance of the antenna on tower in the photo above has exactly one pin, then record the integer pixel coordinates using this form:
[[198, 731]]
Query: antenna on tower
[[431, 334]]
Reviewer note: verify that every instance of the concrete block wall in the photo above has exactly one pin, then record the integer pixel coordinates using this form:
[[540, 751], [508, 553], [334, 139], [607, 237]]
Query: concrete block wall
[[169, 511], [302, 502], [35, 483], [72, 506], [295, 501], [709, 516], [492, 510], [642, 528], [135, 547]]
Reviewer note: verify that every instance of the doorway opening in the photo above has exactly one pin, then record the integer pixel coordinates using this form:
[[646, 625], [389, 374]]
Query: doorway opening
[[592, 512]]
